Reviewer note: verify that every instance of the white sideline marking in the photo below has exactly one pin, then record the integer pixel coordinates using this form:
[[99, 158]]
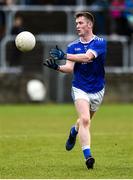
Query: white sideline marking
[[41, 135]]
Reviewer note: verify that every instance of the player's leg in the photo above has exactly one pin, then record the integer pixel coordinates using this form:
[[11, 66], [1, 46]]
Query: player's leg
[[76, 94], [74, 129], [82, 107], [95, 101], [72, 136], [78, 120], [90, 161], [86, 105]]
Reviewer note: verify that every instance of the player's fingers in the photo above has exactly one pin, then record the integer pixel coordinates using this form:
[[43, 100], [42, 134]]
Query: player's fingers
[[51, 61], [54, 61], [45, 64], [48, 63]]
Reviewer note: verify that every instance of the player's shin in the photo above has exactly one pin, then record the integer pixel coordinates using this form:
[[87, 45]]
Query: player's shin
[[85, 139]]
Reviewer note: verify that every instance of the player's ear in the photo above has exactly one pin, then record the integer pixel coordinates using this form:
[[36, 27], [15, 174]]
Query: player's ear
[[90, 24]]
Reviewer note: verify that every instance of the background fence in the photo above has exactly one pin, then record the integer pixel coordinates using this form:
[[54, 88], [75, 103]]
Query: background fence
[[53, 26]]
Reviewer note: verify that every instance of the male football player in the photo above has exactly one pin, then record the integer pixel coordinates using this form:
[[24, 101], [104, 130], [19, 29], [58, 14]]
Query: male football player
[[85, 57]]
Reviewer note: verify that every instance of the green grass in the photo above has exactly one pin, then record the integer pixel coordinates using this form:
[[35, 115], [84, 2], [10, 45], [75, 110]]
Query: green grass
[[32, 143]]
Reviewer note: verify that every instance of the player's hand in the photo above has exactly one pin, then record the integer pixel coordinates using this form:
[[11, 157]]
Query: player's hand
[[51, 63], [57, 53]]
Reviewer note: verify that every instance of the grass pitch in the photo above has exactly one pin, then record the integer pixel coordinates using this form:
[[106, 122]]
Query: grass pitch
[[32, 143]]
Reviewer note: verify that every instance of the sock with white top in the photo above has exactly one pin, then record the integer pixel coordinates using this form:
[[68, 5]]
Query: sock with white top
[[86, 151]]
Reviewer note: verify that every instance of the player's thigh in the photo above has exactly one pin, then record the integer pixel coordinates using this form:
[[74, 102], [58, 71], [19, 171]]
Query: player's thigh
[[81, 101], [82, 107]]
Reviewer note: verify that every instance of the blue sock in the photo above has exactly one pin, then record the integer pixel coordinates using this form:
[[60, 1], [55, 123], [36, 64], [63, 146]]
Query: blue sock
[[74, 132], [86, 151]]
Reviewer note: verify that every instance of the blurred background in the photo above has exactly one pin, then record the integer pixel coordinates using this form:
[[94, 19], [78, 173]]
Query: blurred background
[[23, 79]]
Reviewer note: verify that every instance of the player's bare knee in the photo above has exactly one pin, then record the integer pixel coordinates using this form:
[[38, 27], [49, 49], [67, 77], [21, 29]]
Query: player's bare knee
[[85, 121]]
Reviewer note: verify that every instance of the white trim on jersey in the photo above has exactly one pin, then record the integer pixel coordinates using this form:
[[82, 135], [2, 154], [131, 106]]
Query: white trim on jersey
[[93, 52], [88, 41]]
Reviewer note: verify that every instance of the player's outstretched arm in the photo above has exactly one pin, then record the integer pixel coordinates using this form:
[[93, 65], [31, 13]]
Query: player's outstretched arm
[[67, 68], [58, 54], [51, 63], [83, 58]]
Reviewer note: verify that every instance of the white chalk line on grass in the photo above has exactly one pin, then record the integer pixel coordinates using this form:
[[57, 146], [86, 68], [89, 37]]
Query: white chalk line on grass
[[43, 135]]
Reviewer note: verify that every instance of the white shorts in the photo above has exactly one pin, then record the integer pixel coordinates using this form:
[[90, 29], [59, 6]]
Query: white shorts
[[94, 100]]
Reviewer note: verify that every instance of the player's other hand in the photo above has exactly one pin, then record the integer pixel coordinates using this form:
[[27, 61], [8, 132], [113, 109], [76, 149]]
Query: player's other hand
[[57, 53], [51, 63]]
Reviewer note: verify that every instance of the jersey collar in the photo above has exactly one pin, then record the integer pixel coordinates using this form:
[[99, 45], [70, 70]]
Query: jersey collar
[[88, 41]]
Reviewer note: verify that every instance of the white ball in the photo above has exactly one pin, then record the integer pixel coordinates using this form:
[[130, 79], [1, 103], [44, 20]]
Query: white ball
[[36, 90], [25, 41]]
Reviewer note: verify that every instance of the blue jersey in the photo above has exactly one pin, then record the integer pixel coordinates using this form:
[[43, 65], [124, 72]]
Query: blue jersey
[[89, 77]]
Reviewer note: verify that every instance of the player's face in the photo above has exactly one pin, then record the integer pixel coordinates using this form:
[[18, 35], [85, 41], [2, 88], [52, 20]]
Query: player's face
[[83, 26]]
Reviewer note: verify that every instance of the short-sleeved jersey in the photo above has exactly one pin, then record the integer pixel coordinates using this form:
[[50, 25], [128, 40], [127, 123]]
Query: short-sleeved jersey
[[89, 77]]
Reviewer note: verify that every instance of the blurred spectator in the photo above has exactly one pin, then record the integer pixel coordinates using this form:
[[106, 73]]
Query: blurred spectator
[[15, 59], [2, 20], [120, 24], [100, 15], [116, 12], [17, 25], [129, 13]]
